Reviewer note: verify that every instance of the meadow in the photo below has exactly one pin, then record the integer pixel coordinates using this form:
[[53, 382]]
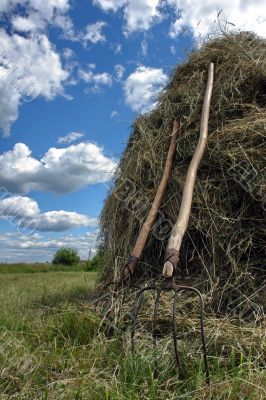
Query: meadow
[[54, 345], [38, 267]]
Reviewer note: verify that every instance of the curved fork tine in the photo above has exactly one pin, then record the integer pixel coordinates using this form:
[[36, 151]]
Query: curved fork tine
[[126, 292], [136, 308], [175, 331], [154, 325], [203, 340]]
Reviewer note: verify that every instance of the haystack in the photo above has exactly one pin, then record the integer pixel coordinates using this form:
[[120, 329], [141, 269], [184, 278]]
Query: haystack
[[223, 251]]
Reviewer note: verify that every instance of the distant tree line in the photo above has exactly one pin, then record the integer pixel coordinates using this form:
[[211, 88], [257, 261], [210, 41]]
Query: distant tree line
[[68, 256]]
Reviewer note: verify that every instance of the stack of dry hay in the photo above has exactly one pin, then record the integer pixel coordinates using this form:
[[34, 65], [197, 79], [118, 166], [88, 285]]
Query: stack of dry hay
[[224, 247]]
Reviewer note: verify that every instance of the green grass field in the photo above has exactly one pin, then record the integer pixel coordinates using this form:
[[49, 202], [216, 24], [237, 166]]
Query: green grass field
[[39, 267], [54, 346]]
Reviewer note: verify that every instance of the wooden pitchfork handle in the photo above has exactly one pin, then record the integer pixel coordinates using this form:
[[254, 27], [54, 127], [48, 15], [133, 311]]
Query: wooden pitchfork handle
[[133, 259], [179, 229]]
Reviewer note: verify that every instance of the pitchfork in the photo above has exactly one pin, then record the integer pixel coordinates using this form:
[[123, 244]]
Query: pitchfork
[[133, 260], [174, 244]]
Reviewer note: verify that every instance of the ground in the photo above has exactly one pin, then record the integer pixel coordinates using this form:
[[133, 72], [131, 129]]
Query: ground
[[53, 345]]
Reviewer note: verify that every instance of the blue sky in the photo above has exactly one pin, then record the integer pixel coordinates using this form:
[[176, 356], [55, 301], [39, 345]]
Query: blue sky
[[73, 76]]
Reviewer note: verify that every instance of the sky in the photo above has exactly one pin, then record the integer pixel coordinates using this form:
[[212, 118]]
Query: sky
[[73, 76]]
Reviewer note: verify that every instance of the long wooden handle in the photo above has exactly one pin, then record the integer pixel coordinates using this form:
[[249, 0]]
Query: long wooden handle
[[146, 228], [180, 227]]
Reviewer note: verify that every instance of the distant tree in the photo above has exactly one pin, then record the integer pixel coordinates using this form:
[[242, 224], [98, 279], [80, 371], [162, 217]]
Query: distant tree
[[66, 256], [95, 264]]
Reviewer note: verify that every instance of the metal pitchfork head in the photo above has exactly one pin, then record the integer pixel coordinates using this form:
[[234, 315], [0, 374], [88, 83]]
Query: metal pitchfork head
[[174, 244], [167, 285]]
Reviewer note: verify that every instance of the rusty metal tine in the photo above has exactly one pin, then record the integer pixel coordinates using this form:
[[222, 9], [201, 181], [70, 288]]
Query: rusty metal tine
[[154, 325], [203, 339], [135, 312], [176, 289], [174, 330], [126, 291], [124, 295]]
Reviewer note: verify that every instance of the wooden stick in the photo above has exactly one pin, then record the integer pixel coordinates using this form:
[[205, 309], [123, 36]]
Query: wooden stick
[[146, 228], [180, 227]]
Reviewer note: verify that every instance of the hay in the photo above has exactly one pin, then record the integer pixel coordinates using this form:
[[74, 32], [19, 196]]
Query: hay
[[224, 247]]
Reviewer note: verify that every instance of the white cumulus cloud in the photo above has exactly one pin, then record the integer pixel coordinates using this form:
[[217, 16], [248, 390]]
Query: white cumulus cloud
[[138, 14], [24, 214], [9, 104], [63, 220], [18, 206], [37, 13], [31, 23], [108, 5], [29, 64], [61, 170], [199, 17], [142, 87], [28, 67], [196, 16]]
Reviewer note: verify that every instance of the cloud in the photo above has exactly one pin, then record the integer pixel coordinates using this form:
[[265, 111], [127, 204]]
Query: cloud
[[61, 170], [28, 67], [18, 207], [63, 220], [138, 14], [196, 16], [199, 17], [47, 8], [119, 71], [114, 114], [31, 23], [173, 50], [24, 214], [36, 13], [110, 5], [65, 23], [93, 33], [68, 53], [142, 87], [117, 48], [144, 47], [9, 104], [99, 79], [96, 80], [71, 137], [29, 64], [17, 247], [37, 58]]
